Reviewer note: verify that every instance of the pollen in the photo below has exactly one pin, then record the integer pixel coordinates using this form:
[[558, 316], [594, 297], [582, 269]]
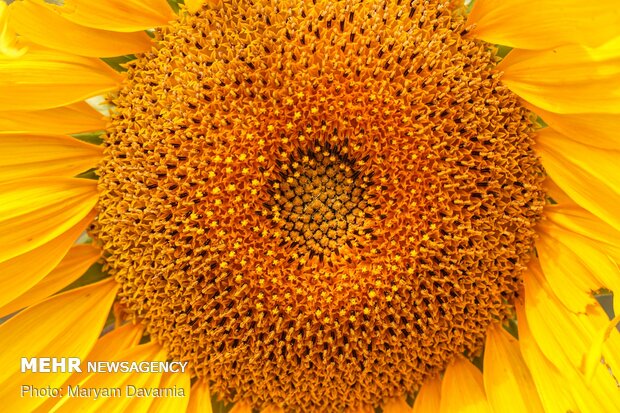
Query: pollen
[[318, 205]]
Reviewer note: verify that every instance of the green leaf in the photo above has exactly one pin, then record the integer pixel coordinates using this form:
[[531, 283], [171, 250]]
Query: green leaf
[[93, 274], [90, 137], [219, 406], [469, 6], [502, 51], [606, 300], [478, 361], [118, 63], [512, 328], [174, 4], [90, 174]]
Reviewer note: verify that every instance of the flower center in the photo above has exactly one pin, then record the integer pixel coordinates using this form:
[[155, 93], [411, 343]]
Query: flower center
[[318, 204]]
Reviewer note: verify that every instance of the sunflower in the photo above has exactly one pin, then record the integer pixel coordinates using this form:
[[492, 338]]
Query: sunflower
[[326, 206]]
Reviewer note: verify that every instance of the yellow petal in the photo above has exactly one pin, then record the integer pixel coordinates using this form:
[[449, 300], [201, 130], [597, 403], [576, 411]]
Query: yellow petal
[[594, 129], [588, 175], [108, 347], [9, 44], [428, 399], [75, 118], [567, 79], [551, 323], [113, 344], [194, 5], [72, 266], [172, 404], [579, 262], [35, 211], [534, 24], [117, 15], [566, 338], [66, 325], [569, 277], [45, 78], [507, 380], [604, 343], [598, 162], [200, 398], [564, 389], [397, 406], [43, 26], [595, 242], [25, 156], [556, 193], [146, 352], [28, 270], [551, 384], [571, 217], [462, 389], [595, 353]]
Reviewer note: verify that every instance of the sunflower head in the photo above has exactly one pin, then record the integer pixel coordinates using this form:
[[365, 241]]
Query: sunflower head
[[325, 206], [297, 194]]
